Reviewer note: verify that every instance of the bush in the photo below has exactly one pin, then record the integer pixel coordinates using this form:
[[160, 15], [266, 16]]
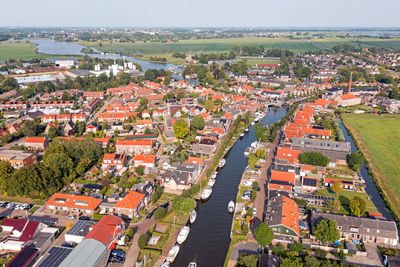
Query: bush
[[157, 193], [143, 240], [245, 228], [355, 160], [250, 212], [321, 253], [313, 158], [130, 232], [296, 247], [159, 214], [194, 189]]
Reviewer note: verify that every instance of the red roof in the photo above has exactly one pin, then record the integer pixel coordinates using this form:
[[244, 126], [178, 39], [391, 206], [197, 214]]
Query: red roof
[[283, 176], [106, 230], [39, 140], [73, 201], [126, 142], [130, 201], [290, 155]]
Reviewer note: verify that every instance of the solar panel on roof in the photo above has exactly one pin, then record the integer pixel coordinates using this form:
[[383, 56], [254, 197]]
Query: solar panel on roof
[[55, 256], [309, 182]]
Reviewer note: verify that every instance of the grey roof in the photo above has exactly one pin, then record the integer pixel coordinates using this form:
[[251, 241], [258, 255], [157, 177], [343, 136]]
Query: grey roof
[[88, 253], [366, 226], [180, 177], [286, 168], [322, 144], [81, 228]]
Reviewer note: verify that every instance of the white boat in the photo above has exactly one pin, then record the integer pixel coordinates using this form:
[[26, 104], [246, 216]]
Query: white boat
[[211, 182], [193, 216], [254, 144], [192, 264], [166, 264], [241, 135], [183, 234], [222, 163], [246, 130], [206, 193], [256, 120], [173, 253], [214, 176], [247, 152], [231, 206], [252, 123]]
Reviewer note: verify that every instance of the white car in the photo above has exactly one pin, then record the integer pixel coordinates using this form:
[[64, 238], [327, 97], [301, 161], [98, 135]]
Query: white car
[[254, 210], [71, 217]]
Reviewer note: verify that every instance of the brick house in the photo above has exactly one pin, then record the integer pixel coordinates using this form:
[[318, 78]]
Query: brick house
[[36, 143]]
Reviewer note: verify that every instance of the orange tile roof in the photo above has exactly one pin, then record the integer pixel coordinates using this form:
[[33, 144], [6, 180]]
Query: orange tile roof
[[195, 160], [274, 186], [291, 155], [283, 176], [347, 97], [72, 201], [127, 142], [290, 214], [39, 140], [145, 158], [130, 201]]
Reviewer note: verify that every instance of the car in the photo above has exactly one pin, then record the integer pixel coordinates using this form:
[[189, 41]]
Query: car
[[71, 217], [252, 222], [68, 244], [84, 218], [148, 216], [166, 204], [118, 253], [117, 259], [4, 204], [254, 210], [257, 166]]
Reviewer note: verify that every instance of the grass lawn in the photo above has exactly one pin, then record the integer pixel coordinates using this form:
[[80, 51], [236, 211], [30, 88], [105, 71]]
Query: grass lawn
[[377, 136], [20, 50], [178, 218], [256, 60]]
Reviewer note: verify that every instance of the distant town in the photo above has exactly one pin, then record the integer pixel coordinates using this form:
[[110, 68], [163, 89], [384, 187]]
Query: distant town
[[199, 147]]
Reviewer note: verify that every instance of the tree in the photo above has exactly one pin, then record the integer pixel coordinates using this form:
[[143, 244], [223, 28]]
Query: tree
[[208, 104], [198, 122], [291, 261], [355, 160], [327, 231], [313, 158], [159, 213], [263, 234], [81, 127], [147, 131], [247, 261], [6, 170], [31, 128], [139, 170], [261, 132], [357, 206], [245, 228], [181, 129], [143, 238], [53, 132], [184, 204], [311, 261], [337, 187]]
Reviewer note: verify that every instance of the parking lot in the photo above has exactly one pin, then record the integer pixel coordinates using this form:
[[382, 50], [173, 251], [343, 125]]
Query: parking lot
[[11, 209]]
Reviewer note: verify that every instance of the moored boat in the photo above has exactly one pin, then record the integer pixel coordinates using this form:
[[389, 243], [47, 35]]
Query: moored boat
[[192, 264], [183, 234], [247, 152], [211, 182], [241, 135], [231, 206], [173, 253], [214, 176], [246, 130], [193, 216], [166, 264], [222, 163], [206, 193]]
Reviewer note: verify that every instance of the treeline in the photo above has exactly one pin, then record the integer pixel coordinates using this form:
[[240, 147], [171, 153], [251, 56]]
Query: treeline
[[62, 163], [204, 58]]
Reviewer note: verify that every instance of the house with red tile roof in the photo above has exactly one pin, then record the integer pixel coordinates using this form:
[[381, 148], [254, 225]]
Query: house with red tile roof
[[93, 95], [113, 159], [346, 183], [143, 124], [147, 161], [283, 176], [72, 203], [78, 117], [63, 117], [36, 143], [120, 90], [13, 128], [134, 146], [114, 117], [129, 205], [309, 184], [348, 100], [282, 216], [288, 155], [107, 231], [218, 130]]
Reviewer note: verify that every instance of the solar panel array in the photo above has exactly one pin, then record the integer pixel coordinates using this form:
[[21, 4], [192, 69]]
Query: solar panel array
[[55, 256], [80, 228]]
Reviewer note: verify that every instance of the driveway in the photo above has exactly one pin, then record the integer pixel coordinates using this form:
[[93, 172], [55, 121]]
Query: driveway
[[373, 258]]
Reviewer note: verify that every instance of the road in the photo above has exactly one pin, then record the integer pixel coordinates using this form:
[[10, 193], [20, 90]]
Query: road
[[94, 115], [13, 143]]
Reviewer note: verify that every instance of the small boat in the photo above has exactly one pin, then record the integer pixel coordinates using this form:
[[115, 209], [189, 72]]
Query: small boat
[[254, 144], [256, 120], [246, 130], [247, 152], [241, 135], [183, 234], [166, 264], [222, 163], [231, 206], [192, 264], [211, 182], [214, 176], [173, 253], [206, 193], [193, 216], [252, 123]]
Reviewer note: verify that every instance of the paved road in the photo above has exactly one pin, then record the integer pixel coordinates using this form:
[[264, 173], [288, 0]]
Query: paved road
[[94, 115]]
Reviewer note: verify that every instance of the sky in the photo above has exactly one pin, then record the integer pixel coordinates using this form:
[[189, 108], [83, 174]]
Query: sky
[[200, 13]]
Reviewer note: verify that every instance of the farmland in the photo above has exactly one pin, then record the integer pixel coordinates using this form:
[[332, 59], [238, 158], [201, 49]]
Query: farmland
[[19, 50], [377, 136]]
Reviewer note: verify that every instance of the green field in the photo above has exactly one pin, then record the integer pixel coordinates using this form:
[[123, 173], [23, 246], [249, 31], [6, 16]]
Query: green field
[[378, 137], [19, 50]]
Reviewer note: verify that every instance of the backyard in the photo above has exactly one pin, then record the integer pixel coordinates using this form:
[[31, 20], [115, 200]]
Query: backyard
[[377, 138]]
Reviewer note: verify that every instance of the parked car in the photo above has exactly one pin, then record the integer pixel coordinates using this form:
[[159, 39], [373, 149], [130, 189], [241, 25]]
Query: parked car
[[84, 218], [117, 259], [71, 217], [68, 244], [166, 204], [257, 166], [148, 216], [118, 253]]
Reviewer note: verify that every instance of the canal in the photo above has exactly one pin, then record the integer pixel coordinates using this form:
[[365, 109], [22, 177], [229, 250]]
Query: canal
[[209, 236], [370, 186]]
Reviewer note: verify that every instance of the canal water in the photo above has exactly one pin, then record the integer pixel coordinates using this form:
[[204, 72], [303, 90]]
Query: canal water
[[209, 236], [370, 186]]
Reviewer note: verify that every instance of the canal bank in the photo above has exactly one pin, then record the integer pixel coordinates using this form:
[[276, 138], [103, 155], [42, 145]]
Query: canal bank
[[370, 188], [209, 236]]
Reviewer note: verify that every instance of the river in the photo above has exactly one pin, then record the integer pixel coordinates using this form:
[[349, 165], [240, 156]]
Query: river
[[209, 237], [370, 186]]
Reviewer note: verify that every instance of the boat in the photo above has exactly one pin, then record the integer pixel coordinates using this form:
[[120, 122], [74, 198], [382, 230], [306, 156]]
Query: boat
[[256, 120], [192, 264], [193, 216], [211, 182], [246, 130], [241, 135], [214, 176], [222, 163], [183, 234], [231, 206], [173, 253], [247, 152], [166, 264], [206, 193], [252, 123], [254, 144]]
